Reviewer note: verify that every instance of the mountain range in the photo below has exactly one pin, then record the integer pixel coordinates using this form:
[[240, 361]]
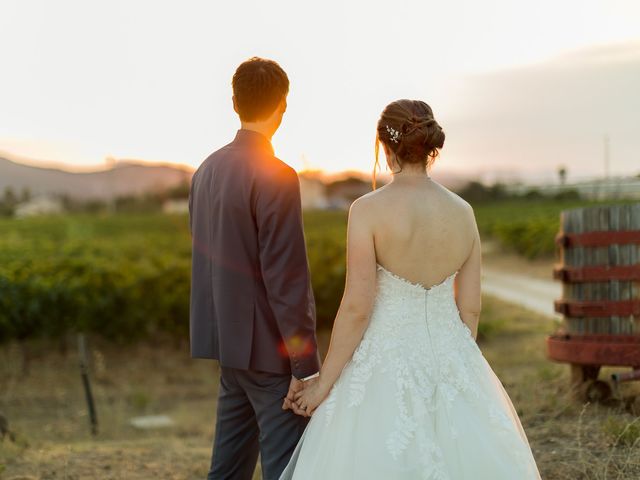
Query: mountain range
[[124, 178]]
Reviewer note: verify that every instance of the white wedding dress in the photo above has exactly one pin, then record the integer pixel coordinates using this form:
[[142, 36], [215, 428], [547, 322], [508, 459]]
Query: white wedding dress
[[418, 400]]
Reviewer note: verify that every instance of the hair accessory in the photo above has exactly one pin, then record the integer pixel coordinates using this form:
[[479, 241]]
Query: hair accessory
[[394, 135]]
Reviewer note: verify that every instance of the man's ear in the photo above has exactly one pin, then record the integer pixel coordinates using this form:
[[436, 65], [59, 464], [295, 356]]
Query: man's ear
[[235, 105], [283, 105]]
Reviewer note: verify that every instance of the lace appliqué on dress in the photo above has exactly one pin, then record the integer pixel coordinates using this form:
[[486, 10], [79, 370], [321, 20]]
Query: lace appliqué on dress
[[416, 336]]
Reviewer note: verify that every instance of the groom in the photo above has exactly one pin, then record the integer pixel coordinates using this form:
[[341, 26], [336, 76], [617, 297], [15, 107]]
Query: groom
[[252, 307]]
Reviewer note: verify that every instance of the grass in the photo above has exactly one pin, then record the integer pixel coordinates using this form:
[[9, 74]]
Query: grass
[[97, 273], [527, 226], [623, 433], [48, 413], [570, 440]]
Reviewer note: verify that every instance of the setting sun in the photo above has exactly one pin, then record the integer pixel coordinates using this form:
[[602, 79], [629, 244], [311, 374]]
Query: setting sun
[[151, 80]]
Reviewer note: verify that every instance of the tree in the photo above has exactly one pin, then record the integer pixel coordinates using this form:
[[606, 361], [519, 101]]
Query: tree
[[10, 198], [26, 195], [179, 191], [562, 174]]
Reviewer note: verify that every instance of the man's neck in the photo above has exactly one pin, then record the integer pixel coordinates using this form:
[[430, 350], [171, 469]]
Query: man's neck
[[258, 127]]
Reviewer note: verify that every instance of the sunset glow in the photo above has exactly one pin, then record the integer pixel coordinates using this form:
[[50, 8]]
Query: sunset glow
[[516, 86]]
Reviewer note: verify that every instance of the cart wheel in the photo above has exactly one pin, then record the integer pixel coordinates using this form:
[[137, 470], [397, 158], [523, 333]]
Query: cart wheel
[[582, 376], [596, 390]]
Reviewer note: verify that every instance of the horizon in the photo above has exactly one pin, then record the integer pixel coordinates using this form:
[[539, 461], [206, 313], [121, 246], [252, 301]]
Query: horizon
[[455, 178], [157, 89]]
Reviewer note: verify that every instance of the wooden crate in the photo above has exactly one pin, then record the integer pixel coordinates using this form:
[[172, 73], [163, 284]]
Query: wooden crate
[[598, 252]]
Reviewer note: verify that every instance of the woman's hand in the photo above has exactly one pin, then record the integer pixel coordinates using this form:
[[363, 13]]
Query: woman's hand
[[312, 395]]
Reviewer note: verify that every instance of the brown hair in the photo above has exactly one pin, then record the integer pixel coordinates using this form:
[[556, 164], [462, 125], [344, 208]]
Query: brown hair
[[408, 129], [258, 87]]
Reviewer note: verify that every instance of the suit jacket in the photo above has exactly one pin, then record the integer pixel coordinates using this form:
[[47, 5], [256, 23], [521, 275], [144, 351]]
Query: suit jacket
[[252, 306]]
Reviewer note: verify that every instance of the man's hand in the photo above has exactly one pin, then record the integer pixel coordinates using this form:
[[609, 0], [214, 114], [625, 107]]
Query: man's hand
[[289, 401], [312, 395]]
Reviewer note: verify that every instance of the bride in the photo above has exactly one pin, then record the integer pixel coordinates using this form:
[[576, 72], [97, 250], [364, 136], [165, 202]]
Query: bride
[[405, 392]]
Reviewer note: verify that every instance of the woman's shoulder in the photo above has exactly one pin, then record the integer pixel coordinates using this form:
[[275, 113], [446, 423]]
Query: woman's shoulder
[[370, 199], [382, 197], [367, 208], [456, 206], [453, 197]]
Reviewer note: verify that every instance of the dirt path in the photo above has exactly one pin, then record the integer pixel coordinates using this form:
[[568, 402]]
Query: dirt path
[[524, 290]]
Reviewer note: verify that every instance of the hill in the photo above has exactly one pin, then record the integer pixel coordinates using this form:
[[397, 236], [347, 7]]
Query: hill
[[125, 178]]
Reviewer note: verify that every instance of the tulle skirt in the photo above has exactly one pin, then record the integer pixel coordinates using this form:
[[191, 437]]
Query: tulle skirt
[[434, 432]]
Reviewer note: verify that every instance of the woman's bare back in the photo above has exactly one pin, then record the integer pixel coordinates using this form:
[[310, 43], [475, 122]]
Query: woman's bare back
[[425, 232]]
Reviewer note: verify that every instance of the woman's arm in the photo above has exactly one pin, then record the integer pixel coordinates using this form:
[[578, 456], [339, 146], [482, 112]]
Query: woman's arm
[[355, 308], [468, 292]]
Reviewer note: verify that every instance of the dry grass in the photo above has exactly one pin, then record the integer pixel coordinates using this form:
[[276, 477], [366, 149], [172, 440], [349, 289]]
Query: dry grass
[[571, 440], [47, 412]]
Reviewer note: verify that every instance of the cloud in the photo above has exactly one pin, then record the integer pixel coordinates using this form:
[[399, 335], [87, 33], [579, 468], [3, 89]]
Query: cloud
[[536, 117]]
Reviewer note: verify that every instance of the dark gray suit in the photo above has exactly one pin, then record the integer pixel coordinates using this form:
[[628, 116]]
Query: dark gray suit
[[252, 306]]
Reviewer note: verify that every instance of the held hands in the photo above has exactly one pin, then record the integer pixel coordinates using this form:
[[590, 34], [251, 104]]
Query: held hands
[[310, 396], [290, 401], [304, 397]]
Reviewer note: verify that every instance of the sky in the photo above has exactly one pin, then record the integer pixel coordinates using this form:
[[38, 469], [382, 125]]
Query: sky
[[520, 87]]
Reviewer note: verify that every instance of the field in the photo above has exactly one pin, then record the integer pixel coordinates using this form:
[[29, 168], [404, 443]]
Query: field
[[46, 409], [525, 226], [124, 280], [126, 277]]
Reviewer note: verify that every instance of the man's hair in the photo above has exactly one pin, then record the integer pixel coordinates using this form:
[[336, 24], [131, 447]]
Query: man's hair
[[258, 87]]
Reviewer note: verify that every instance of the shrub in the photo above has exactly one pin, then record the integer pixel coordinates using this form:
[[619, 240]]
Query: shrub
[[125, 277]]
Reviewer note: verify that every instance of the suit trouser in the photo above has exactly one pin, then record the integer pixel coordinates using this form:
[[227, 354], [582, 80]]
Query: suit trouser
[[250, 420]]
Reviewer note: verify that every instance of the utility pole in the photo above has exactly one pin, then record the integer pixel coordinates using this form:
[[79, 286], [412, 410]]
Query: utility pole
[[606, 157], [606, 184]]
